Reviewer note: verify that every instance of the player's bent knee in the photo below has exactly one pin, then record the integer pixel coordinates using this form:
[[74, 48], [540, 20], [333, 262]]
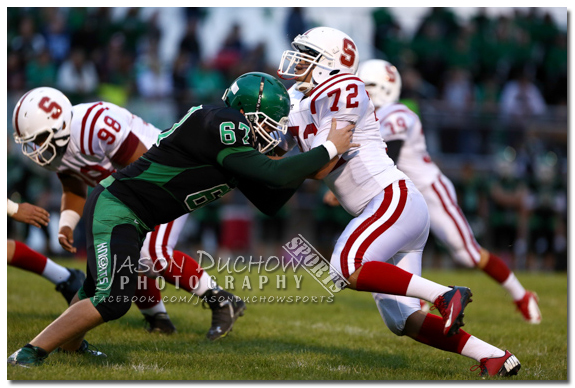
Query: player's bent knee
[[114, 307], [396, 326], [462, 257]]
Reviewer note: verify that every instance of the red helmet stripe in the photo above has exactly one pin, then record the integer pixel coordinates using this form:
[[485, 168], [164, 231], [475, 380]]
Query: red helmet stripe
[[17, 127], [310, 30]]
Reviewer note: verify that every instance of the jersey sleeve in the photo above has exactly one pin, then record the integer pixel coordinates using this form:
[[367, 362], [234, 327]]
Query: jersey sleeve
[[345, 101], [254, 166], [397, 125]]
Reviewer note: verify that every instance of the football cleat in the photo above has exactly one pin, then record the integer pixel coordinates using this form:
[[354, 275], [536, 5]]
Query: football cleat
[[159, 323], [529, 308], [85, 348], [28, 356], [70, 286], [451, 306], [226, 309], [506, 365]]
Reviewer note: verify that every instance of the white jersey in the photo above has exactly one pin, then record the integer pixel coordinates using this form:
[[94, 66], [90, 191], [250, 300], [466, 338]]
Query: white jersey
[[361, 173], [398, 122], [102, 133]]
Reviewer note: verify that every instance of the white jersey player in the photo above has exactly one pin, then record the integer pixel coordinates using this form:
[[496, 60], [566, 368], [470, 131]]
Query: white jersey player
[[380, 249], [402, 131], [84, 144]]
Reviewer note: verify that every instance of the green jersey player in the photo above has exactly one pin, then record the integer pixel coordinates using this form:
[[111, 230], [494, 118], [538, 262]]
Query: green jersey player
[[210, 151]]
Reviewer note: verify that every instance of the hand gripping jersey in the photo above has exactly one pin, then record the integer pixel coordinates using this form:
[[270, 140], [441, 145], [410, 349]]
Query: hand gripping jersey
[[361, 173], [102, 133], [397, 122]]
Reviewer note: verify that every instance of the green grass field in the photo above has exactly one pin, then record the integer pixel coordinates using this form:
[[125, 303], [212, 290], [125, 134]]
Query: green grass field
[[343, 340]]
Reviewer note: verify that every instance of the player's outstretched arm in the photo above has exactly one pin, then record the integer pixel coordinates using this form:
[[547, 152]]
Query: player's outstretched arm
[[74, 194], [268, 200], [30, 214]]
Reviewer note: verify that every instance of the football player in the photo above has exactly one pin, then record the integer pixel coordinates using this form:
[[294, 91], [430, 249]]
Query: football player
[[84, 144], [380, 249], [67, 280], [403, 134], [209, 152]]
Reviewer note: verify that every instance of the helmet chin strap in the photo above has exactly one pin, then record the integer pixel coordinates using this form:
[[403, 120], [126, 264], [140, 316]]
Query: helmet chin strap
[[304, 87]]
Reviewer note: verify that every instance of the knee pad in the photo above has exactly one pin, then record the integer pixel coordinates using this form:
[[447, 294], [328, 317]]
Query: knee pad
[[395, 310], [395, 325]]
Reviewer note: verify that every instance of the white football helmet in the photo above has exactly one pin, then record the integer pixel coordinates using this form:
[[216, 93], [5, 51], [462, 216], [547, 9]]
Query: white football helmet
[[382, 81], [41, 122], [330, 50]]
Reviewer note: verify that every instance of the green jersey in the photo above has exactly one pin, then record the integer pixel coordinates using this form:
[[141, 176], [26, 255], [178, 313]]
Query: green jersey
[[206, 154]]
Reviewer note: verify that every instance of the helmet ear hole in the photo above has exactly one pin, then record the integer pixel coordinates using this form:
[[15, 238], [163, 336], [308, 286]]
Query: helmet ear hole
[[334, 72]]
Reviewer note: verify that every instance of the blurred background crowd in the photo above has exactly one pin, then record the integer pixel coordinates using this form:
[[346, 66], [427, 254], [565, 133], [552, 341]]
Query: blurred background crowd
[[491, 92]]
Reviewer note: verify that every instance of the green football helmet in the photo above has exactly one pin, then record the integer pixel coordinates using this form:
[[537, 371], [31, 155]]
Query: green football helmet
[[265, 103]]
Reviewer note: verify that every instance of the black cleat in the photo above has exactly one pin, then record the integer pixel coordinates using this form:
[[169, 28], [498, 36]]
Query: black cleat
[[159, 323], [226, 308], [85, 348], [451, 306], [70, 287]]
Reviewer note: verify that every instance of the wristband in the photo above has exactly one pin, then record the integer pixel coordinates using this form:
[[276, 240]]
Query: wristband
[[69, 218], [12, 208], [331, 149]]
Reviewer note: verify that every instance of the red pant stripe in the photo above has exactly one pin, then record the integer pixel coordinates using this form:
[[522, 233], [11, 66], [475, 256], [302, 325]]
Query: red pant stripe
[[385, 226], [467, 227], [388, 191], [454, 221], [166, 240]]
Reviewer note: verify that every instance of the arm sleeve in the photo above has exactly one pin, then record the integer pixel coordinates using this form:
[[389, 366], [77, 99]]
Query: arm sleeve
[[245, 162], [268, 200], [393, 149]]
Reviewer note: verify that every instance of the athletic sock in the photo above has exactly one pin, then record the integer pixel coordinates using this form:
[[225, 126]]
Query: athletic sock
[[514, 288], [386, 278], [431, 333], [55, 272], [158, 308], [185, 272], [30, 260], [498, 270], [478, 349], [148, 296]]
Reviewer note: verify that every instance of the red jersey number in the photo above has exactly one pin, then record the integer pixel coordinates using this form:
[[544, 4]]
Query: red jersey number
[[350, 102], [108, 136], [399, 126]]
